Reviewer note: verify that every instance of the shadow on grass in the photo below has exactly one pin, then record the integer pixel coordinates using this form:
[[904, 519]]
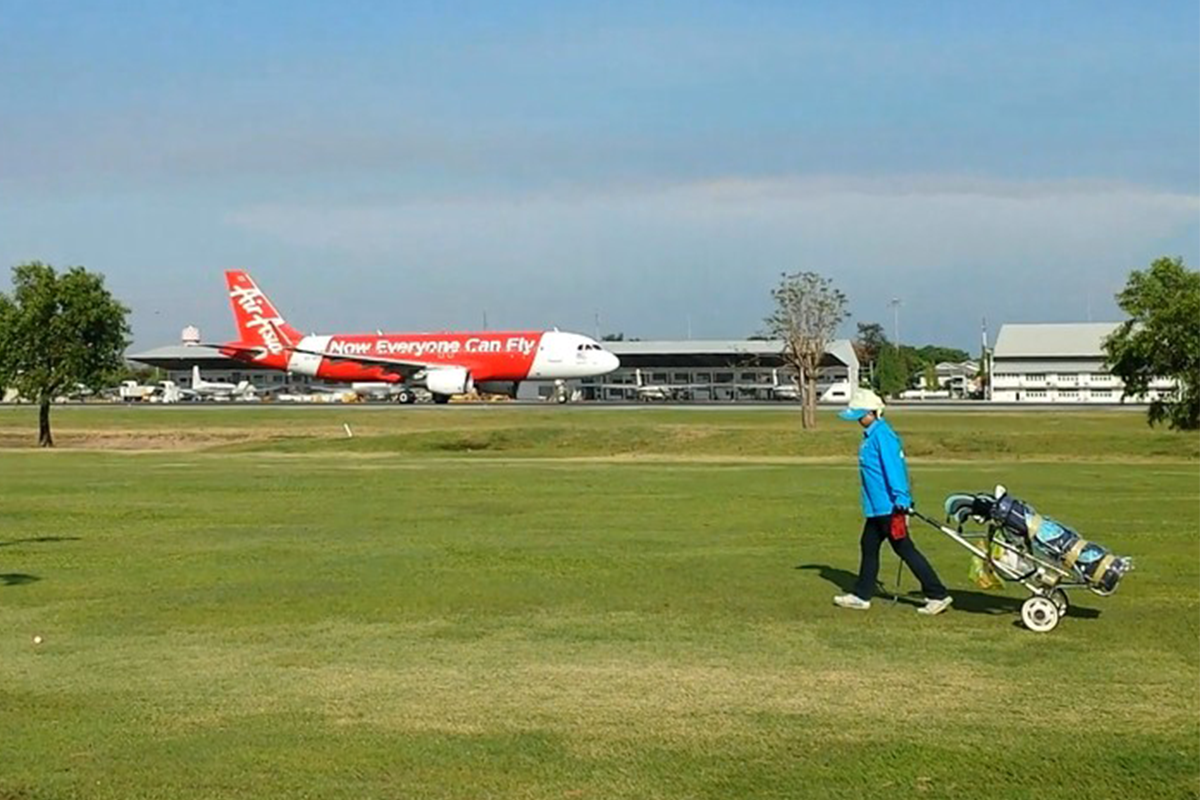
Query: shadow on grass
[[39, 539], [17, 578], [964, 599]]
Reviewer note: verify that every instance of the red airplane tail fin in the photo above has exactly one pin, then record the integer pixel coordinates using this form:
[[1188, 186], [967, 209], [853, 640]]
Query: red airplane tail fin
[[258, 322]]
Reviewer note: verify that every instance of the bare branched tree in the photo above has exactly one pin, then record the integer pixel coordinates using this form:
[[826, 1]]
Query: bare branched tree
[[808, 310]]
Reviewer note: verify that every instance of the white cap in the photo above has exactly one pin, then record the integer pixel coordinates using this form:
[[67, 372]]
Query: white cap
[[862, 402]]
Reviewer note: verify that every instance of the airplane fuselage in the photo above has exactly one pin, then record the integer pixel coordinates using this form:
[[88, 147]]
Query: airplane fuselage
[[487, 355], [446, 363]]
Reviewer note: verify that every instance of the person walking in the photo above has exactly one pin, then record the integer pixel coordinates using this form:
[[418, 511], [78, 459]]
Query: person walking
[[886, 503]]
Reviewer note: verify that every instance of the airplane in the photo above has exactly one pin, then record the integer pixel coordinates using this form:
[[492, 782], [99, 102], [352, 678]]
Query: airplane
[[222, 390], [656, 392], [444, 364], [789, 391]]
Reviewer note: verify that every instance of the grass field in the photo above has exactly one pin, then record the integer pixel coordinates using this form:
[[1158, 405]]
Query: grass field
[[549, 603]]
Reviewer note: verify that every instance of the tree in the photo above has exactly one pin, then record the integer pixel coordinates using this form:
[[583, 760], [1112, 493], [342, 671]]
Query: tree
[[808, 310], [890, 373], [867, 345], [935, 354], [931, 378], [58, 331], [1161, 339]]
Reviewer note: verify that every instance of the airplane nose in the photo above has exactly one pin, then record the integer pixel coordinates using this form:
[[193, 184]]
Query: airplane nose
[[608, 361]]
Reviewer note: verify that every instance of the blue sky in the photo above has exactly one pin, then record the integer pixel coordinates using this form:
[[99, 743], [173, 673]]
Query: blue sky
[[417, 165]]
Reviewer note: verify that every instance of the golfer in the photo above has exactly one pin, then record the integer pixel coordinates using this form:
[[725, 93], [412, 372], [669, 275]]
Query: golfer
[[886, 503]]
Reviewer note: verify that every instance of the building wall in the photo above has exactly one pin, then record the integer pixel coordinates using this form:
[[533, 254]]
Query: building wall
[[728, 383], [1061, 381]]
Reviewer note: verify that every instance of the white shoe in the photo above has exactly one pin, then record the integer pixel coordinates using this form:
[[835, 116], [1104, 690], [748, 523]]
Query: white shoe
[[851, 601], [932, 607]]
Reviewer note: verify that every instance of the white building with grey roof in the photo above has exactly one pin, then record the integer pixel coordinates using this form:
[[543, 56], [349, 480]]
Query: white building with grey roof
[[1058, 363]]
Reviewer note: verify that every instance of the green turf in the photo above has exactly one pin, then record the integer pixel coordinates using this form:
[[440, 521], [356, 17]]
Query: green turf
[[416, 621], [590, 431]]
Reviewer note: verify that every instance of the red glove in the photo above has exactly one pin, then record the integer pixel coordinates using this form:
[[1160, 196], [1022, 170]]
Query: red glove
[[899, 527]]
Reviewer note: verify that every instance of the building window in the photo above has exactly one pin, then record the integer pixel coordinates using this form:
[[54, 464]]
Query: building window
[[1036, 394]]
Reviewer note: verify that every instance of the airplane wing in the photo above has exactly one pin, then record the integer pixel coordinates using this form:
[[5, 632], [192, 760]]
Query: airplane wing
[[253, 351], [401, 366]]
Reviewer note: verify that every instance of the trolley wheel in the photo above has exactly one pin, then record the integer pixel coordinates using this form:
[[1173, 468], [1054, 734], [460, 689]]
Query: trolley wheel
[[1061, 601], [1039, 614]]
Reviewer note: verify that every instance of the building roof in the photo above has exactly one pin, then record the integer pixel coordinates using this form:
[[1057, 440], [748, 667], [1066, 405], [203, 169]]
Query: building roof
[[841, 349], [1053, 340], [957, 368], [183, 356]]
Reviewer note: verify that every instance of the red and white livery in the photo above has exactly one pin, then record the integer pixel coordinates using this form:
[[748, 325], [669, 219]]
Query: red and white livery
[[443, 363]]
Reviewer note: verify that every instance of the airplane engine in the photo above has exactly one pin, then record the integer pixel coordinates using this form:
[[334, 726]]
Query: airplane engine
[[449, 380]]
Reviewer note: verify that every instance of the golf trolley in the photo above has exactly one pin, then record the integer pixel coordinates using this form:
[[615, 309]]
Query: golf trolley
[[1021, 546]]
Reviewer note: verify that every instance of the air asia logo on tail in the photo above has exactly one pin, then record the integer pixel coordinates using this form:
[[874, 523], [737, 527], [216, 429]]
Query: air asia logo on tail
[[257, 320]]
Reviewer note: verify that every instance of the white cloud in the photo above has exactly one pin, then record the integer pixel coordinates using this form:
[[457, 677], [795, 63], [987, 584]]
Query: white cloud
[[920, 223], [652, 255]]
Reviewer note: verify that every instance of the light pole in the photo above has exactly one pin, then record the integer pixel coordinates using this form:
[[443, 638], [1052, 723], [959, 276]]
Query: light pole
[[895, 304]]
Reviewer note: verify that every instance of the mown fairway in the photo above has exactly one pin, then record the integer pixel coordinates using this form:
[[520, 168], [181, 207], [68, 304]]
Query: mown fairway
[[547, 603]]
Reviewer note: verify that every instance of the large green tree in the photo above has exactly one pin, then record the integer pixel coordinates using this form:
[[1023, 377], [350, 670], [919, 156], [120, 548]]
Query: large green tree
[[808, 310], [1161, 339], [891, 374], [57, 331]]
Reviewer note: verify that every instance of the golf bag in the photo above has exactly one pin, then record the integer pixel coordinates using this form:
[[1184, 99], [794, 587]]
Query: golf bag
[[1046, 538]]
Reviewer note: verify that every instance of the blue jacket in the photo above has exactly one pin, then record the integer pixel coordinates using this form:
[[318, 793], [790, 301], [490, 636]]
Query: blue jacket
[[882, 470]]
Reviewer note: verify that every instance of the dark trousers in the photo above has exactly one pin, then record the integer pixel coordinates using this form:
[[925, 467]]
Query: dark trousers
[[875, 531]]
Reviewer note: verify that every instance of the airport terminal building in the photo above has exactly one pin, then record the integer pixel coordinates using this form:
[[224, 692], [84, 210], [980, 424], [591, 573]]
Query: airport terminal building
[[718, 370], [690, 370], [1058, 363]]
